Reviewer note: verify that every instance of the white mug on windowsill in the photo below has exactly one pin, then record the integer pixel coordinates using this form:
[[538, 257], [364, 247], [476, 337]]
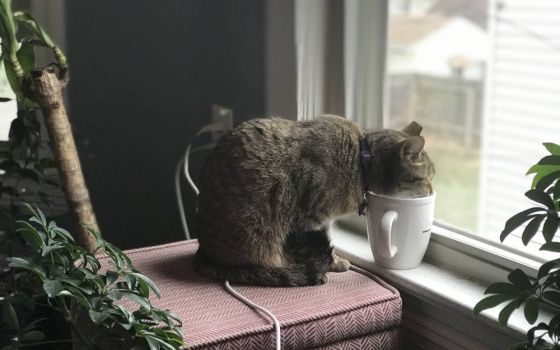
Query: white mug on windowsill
[[399, 229]]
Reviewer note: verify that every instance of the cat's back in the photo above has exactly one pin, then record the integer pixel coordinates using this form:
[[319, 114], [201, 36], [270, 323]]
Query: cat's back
[[278, 141]]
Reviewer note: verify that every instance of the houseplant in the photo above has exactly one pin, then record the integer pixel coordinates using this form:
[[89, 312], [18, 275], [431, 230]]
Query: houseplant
[[85, 293], [543, 292], [40, 89]]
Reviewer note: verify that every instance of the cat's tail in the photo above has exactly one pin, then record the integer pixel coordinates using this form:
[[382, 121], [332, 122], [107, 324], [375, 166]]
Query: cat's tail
[[296, 274]]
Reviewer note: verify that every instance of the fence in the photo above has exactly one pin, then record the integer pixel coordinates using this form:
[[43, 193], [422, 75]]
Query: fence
[[447, 106]]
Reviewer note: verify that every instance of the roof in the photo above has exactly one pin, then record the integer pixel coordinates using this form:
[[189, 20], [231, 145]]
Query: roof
[[406, 30]]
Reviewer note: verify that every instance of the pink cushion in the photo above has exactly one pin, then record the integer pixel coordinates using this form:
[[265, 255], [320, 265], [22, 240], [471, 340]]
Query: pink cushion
[[351, 305]]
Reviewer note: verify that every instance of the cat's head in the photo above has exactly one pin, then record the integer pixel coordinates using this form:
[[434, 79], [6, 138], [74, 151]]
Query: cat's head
[[405, 165]]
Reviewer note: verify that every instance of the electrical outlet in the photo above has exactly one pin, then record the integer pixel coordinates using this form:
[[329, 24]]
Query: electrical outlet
[[221, 116]]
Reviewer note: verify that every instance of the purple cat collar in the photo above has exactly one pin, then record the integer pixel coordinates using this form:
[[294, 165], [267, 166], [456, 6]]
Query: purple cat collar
[[365, 153]]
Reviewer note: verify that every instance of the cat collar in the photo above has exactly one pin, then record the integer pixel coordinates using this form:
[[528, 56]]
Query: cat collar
[[365, 160]]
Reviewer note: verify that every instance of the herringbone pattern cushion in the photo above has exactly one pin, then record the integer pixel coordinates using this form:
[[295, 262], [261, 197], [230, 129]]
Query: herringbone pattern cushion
[[354, 310]]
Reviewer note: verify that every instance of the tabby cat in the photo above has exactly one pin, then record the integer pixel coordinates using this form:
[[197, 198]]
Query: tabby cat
[[270, 186]]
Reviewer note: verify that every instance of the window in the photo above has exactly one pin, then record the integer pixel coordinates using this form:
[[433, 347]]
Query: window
[[483, 78], [8, 110]]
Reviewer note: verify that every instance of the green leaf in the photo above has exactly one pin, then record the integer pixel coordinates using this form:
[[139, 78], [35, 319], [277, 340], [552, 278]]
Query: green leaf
[[65, 235], [503, 288], [26, 56], [26, 265], [115, 294], [552, 296], [531, 333], [531, 310], [98, 317], [550, 160], [550, 226], [30, 234], [77, 295], [506, 312], [532, 228], [49, 248], [148, 281], [77, 284], [33, 335], [553, 148], [540, 197], [130, 281], [144, 302], [34, 27], [518, 219], [38, 215], [556, 191], [547, 267], [154, 345], [158, 343], [519, 279], [546, 181], [541, 171], [53, 288], [490, 302], [551, 247], [10, 316], [111, 277]]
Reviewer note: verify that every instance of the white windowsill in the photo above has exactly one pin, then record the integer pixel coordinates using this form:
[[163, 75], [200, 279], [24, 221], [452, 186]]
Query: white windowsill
[[438, 285]]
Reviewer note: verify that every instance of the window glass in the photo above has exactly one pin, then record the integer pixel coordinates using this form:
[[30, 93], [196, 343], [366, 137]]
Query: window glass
[[8, 110], [483, 78]]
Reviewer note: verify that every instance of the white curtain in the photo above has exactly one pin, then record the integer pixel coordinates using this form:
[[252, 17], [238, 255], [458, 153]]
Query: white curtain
[[352, 85], [310, 56], [365, 39]]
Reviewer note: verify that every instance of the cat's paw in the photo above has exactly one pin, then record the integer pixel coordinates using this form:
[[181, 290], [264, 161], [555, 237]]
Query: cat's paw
[[339, 264], [322, 279]]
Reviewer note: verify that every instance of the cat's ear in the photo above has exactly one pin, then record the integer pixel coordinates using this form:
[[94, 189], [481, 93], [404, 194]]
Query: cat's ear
[[411, 147], [413, 129]]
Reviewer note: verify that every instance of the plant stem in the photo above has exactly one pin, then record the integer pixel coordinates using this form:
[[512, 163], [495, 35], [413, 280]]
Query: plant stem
[[48, 94]]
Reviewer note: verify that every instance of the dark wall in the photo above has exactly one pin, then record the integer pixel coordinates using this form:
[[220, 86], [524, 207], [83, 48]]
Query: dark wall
[[144, 75]]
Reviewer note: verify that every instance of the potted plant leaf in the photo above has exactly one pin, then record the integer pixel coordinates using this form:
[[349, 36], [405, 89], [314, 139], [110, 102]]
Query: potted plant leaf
[[89, 297], [521, 291]]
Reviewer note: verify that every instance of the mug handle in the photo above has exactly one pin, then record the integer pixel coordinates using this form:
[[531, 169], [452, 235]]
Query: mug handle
[[387, 250]]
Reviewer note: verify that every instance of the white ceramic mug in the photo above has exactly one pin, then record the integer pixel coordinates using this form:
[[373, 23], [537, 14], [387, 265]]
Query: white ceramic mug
[[399, 229]]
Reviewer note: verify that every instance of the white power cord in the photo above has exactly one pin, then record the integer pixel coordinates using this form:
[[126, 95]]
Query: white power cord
[[261, 309], [185, 162]]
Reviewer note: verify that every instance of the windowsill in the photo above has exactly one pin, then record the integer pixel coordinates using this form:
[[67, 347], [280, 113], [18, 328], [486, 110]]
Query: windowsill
[[438, 285]]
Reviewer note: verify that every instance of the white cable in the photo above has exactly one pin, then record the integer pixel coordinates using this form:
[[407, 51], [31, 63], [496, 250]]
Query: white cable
[[180, 200], [185, 161], [260, 308], [178, 191]]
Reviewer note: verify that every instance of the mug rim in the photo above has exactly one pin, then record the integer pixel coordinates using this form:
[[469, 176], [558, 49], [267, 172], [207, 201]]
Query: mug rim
[[413, 199]]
